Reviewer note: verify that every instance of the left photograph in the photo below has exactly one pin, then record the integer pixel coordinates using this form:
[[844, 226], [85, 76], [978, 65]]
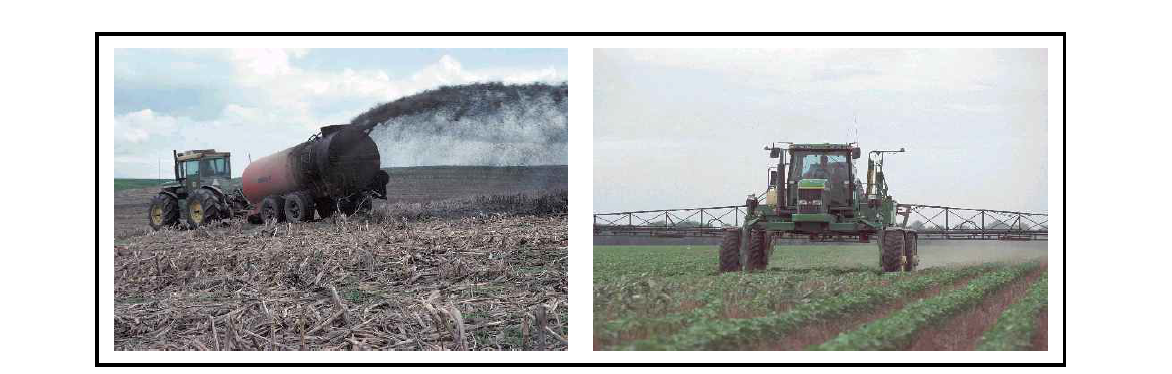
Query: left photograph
[[340, 199]]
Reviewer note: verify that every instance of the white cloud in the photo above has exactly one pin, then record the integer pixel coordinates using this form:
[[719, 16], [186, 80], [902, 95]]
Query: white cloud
[[279, 105]]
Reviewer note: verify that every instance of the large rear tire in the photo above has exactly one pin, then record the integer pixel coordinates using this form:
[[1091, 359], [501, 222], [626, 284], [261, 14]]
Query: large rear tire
[[730, 251], [891, 249], [912, 249], [272, 209], [164, 211], [203, 207], [298, 207], [758, 250]]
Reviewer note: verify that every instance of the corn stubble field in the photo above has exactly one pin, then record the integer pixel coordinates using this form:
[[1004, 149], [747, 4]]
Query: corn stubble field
[[457, 273], [967, 296]]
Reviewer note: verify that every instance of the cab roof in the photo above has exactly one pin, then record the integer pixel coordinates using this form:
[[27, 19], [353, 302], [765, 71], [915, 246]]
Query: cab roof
[[821, 146], [200, 153]]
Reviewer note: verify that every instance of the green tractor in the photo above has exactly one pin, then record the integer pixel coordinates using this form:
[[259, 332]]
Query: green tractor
[[202, 192], [814, 191]]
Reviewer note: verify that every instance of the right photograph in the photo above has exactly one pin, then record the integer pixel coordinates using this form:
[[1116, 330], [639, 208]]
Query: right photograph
[[820, 199]]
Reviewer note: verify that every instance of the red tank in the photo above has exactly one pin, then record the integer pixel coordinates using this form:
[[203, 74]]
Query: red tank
[[339, 163]]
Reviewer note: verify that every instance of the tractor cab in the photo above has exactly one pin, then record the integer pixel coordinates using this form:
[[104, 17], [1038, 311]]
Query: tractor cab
[[204, 167], [816, 179]]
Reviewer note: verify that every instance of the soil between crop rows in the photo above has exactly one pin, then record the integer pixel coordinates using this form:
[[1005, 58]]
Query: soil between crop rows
[[820, 332], [963, 332]]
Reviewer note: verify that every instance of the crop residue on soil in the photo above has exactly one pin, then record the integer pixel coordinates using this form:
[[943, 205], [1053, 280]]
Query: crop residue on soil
[[465, 279]]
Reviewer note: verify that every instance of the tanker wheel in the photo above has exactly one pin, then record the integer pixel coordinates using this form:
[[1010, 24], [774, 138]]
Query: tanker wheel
[[325, 207], [164, 211], [912, 252], [891, 250], [298, 207], [272, 209], [758, 250], [730, 251], [203, 207]]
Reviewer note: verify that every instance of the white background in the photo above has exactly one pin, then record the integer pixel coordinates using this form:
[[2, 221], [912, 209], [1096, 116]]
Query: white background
[[1118, 262]]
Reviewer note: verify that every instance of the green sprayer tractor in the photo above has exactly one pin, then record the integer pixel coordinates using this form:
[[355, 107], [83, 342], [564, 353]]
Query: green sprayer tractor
[[814, 191]]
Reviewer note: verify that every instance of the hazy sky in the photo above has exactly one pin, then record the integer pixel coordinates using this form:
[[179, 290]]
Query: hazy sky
[[686, 128], [260, 101]]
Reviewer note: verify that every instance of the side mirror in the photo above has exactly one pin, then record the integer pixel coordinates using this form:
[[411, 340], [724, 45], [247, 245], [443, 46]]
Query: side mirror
[[774, 152], [856, 152]]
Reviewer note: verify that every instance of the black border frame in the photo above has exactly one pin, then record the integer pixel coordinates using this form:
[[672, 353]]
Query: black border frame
[[97, 215]]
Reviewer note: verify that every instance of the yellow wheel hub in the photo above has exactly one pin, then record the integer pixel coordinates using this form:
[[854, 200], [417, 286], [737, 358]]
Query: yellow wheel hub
[[196, 211], [157, 215]]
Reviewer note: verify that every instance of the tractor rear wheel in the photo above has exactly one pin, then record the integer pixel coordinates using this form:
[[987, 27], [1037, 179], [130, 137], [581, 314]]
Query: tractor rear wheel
[[911, 251], [730, 251], [298, 207], [758, 250], [272, 209], [164, 211], [203, 207], [891, 249]]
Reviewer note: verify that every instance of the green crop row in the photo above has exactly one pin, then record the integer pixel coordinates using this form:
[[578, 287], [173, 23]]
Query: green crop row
[[649, 307], [896, 331], [1018, 323], [729, 333]]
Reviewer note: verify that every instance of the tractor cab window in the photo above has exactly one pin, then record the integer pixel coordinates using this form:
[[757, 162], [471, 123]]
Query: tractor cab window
[[217, 167], [820, 166], [192, 168]]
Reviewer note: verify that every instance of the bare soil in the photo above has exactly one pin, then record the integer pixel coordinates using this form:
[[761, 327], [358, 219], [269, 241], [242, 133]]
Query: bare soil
[[1040, 341]]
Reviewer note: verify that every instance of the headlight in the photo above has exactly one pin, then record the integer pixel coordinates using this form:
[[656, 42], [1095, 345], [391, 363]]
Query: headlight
[[803, 202], [816, 202]]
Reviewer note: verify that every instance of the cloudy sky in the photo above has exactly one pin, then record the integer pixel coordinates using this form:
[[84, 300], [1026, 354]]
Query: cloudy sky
[[685, 128], [259, 101]]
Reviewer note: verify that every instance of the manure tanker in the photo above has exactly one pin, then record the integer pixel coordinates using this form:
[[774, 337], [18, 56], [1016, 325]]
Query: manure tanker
[[336, 170]]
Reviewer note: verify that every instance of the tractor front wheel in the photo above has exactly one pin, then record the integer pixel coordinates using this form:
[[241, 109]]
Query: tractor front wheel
[[891, 250], [164, 211], [912, 252], [272, 209], [730, 251], [758, 250]]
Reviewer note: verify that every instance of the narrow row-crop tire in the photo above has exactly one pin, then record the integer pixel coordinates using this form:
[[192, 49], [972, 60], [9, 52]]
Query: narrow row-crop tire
[[730, 251], [272, 209], [758, 251], [912, 248], [164, 211], [299, 207], [891, 247], [203, 207]]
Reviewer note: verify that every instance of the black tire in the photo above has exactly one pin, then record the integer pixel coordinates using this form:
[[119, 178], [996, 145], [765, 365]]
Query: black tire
[[298, 207], [164, 212], [325, 207], [912, 247], [758, 250], [272, 209], [730, 251], [203, 207], [891, 246]]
